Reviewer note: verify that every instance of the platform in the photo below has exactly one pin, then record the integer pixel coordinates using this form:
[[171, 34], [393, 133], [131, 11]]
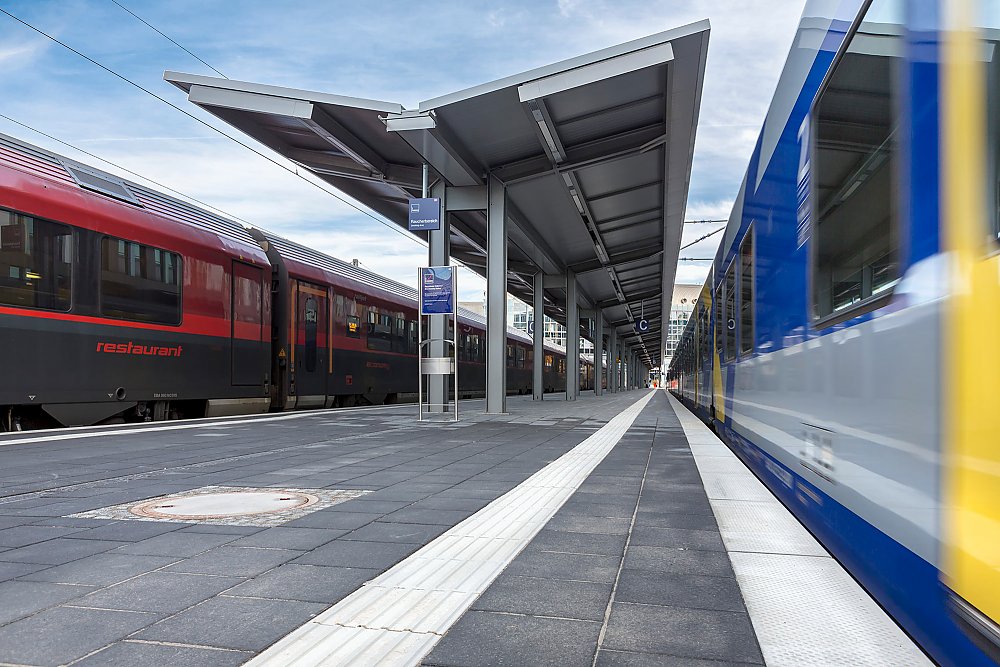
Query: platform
[[606, 531]]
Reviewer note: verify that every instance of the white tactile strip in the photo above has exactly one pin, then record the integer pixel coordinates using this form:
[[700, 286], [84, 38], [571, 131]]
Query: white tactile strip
[[398, 617], [805, 608], [325, 498]]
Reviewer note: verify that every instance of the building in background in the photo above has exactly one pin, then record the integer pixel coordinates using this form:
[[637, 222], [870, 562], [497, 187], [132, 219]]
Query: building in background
[[681, 306], [520, 313]]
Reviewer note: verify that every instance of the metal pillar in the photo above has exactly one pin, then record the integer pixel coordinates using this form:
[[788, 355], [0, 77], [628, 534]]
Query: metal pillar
[[496, 299], [538, 363], [438, 254], [598, 350], [572, 339], [612, 369], [621, 369]]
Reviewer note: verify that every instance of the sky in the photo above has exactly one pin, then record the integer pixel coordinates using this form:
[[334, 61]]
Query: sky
[[402, 52]]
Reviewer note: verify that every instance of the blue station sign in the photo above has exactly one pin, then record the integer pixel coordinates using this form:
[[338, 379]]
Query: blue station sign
[[425, 215], [437, 290], [641, 325]]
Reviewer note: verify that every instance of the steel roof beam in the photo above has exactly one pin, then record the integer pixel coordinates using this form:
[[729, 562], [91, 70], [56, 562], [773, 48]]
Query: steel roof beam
[[588, 154], [645, 252]]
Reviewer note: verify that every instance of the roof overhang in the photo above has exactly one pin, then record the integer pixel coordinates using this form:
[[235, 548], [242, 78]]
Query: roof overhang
[[595, 152]]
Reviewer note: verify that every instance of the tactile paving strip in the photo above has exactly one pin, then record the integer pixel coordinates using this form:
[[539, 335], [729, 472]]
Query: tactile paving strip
[[396, 618], [805, 608]]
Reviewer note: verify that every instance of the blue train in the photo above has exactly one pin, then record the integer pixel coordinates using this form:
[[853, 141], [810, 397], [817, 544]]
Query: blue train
[[845, 343]]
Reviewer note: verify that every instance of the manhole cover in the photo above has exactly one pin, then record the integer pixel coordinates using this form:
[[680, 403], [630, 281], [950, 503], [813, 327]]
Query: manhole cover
[[223, 504]]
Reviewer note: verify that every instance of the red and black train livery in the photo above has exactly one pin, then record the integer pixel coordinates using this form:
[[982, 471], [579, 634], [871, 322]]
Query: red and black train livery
[[120, 303]]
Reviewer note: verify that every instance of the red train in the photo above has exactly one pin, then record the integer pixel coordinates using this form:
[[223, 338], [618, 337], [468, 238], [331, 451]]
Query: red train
[[119, 303]]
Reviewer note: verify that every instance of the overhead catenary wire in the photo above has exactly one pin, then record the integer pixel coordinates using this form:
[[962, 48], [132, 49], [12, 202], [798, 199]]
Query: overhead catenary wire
[[250, 148], [702, 238], [168, 38]]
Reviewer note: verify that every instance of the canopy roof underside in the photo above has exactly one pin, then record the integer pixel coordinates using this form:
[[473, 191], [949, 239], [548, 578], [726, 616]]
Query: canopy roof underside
[[595, 153]]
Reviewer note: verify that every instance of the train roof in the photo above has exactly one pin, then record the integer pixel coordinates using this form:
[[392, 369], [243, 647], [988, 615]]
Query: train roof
[[44, 163]]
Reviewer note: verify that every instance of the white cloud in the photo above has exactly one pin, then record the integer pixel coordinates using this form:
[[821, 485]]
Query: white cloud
[[367, 50]]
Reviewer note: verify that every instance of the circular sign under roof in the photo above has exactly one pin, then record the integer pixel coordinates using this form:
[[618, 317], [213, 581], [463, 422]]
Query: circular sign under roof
[[222, 505]]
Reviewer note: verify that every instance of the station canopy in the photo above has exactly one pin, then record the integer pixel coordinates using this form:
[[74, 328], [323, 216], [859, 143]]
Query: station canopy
[[595, 152]]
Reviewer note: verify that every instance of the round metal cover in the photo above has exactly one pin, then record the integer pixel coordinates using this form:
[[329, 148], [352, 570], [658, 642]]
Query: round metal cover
[[223, 504]]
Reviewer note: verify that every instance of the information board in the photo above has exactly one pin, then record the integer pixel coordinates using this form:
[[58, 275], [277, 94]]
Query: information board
[[437, 290], [425, 215]]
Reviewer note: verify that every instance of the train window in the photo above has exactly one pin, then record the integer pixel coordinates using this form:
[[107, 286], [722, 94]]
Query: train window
[[379, 330], [855, 234], [339, 314], [746, 294], [519, 355], [139, 282], [36, 262], [353, 327], [730, 321], [548, 362], [413, 335]]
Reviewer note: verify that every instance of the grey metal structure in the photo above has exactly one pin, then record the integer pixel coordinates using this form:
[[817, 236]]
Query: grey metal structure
[[592, 156]]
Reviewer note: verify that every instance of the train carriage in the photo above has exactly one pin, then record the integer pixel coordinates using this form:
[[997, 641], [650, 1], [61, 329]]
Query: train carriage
[[847, 356], [118, 303], [117, 300]]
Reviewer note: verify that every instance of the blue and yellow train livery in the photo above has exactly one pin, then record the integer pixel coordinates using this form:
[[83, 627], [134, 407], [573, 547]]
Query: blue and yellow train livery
[[847, 342]]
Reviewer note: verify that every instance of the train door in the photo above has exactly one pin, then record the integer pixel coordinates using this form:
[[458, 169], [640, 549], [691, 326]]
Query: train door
[[971, 363], [249, 360], [311, 343]]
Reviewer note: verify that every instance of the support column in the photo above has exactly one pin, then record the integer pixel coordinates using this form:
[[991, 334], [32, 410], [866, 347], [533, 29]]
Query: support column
[[496, 299], [538, 363], [612, 369], [598, 350], [438, 254], [621, 369], [572, 339]]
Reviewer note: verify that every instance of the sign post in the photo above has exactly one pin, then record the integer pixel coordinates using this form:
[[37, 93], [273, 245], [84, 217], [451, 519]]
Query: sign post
[[437, 289]]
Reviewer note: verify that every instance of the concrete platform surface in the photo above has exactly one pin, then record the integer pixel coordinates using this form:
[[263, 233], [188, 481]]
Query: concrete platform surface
[[565, 533]]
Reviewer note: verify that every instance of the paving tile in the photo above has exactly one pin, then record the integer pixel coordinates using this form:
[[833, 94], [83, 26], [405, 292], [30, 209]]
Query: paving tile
[[608, 658], [485, 639], [58, 551], [179, 544], [21, 598], [438, 517], [588, 509], [13, 570], [334, 520], [234, 561], [582, 600], [680, 590], [676, 520], [366, 506], [231, 622], [222, 529], [565, 567], [129, 531], [405, 533], [63, 634], [671, 560], [589, 524], [142, 654], [101, 569], [580, 543], [281, 537], [20, 536], [347, 553], [676, 631], [307, 583], [164, 592], [682, 538]]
